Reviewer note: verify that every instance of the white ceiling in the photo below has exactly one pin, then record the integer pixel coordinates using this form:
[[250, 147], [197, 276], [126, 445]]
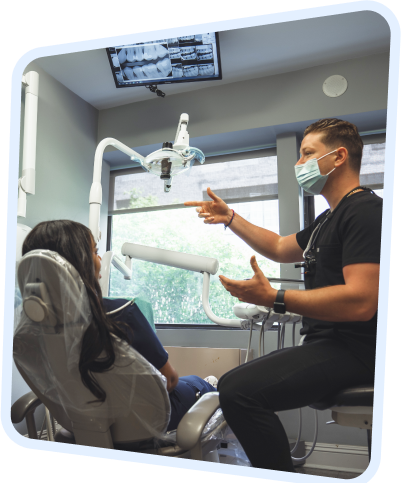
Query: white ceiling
[[245, 54]]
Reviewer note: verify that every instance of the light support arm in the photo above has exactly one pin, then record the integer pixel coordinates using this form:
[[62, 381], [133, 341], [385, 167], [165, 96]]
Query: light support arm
[[95, 196], [181, 141], [185, 261], [208, 310], [26, 184]]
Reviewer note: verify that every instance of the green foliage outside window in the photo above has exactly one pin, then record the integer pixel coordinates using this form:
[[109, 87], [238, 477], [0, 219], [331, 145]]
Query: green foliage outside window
[[136, 200], [175, 294]]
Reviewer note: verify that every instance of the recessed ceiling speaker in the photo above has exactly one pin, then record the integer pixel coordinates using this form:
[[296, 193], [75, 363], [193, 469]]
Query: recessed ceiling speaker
[[335, 86]]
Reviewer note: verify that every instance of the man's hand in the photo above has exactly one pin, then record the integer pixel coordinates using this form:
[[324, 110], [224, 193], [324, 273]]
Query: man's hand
[[256, 291], [213, 212]]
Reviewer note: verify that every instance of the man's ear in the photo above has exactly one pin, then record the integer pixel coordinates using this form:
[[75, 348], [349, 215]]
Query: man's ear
[[342, 156]]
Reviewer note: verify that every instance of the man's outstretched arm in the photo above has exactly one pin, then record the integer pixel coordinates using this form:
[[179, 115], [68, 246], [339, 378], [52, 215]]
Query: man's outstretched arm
[[265, 242]]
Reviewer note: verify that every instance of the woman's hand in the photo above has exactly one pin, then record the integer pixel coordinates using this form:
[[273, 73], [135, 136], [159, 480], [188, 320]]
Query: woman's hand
[[256, 291], [213, 212]]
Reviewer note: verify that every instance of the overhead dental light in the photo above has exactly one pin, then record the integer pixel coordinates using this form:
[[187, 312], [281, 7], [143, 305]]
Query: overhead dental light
[[167, 162], [172, 159]]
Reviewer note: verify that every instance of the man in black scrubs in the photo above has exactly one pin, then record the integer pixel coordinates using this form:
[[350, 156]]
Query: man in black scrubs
[[341, 251]]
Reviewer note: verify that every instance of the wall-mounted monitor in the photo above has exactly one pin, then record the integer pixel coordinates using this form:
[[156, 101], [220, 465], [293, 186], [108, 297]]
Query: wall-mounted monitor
[[182, 59]]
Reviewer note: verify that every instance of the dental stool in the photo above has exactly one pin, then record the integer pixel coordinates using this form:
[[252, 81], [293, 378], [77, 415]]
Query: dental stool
[[134, 417], [351, 407]]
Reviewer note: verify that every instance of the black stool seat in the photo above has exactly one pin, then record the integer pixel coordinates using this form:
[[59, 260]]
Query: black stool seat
[[353, 396]]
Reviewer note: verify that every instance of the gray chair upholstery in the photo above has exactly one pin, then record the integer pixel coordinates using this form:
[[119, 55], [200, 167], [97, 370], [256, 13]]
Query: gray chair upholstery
[[137, 406]]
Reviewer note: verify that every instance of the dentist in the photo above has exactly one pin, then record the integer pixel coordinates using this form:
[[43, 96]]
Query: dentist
[[341, 254]]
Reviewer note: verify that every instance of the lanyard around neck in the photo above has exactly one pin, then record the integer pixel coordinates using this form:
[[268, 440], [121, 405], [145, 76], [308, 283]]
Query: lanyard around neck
[[328, 216]]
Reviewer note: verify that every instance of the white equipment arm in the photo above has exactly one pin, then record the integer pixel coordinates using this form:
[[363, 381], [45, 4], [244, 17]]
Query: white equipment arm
[[26, 184], [181, 141], [108, 259], [185, 261], [95, 197]]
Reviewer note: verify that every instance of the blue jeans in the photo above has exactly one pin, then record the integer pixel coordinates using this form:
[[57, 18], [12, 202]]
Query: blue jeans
[[183, 397]]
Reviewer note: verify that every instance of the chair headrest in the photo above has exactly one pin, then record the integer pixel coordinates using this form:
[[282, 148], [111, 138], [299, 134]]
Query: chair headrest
[[52, 290]]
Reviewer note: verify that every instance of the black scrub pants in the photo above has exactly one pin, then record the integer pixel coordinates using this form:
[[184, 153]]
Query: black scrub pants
[[286, 379]]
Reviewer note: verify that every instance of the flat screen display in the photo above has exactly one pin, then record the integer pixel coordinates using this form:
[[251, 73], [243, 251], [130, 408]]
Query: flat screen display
[[181, 59]]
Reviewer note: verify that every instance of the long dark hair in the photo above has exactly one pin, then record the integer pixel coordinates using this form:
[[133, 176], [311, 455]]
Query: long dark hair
[[73, 241]]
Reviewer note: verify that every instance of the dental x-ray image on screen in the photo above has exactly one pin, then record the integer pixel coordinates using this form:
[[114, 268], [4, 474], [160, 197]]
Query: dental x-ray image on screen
[[181, 59]]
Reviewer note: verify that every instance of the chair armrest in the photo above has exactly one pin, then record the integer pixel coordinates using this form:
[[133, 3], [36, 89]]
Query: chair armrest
[[24, 405], [192, 424]]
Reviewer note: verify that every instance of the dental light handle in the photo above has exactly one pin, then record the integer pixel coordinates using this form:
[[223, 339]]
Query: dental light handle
[[95, 196]]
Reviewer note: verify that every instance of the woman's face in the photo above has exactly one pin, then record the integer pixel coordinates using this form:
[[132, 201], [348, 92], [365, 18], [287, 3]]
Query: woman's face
[[96, 259]]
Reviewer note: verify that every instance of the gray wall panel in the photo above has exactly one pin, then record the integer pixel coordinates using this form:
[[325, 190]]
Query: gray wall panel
[[288, 194], [267, 101]]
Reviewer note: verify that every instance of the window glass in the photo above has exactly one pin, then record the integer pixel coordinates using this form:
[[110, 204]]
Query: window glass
[[175, 294], [372, 167], [229, 180]]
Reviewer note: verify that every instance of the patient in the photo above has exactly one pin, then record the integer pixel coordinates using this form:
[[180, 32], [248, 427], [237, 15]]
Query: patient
[[74, 242]]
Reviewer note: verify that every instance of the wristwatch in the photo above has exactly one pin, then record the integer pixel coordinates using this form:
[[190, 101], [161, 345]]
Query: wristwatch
[[279, 305]]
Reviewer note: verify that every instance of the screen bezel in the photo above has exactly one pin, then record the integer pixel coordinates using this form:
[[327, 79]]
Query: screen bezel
[[161, 81]]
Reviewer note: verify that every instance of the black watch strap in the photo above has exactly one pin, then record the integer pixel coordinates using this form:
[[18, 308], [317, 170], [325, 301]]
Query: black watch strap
[[279, 305]]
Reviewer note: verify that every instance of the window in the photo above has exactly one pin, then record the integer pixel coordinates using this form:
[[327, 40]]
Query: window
[[175, 294]]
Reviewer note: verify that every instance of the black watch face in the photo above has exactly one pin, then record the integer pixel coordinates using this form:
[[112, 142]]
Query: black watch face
[[279, 308]]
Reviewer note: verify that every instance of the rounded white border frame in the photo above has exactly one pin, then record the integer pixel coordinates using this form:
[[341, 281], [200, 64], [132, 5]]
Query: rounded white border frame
[[31, 55]]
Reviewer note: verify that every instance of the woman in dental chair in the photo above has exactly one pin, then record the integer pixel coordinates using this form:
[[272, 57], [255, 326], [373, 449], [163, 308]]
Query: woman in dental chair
[[74, 242]]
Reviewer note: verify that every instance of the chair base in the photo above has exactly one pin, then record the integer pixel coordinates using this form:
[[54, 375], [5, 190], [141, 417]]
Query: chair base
[[161, 448], [352, 419]]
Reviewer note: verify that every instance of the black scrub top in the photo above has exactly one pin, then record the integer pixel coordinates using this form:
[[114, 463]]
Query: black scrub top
[[351, 235]]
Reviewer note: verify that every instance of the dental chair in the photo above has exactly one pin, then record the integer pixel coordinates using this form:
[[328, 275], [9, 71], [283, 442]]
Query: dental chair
[[351, 407], [134, 417]]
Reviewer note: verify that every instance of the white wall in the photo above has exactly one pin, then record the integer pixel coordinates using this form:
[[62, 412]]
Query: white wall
[[66, 144]]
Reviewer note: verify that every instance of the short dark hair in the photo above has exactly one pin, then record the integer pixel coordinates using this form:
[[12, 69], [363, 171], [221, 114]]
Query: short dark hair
[[336, 133]]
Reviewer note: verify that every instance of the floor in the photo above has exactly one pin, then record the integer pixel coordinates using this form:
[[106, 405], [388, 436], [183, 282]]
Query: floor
[[301, 469], [328, 473]]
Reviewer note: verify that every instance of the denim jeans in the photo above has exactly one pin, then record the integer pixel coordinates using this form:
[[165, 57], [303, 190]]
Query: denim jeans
[[183, 397]]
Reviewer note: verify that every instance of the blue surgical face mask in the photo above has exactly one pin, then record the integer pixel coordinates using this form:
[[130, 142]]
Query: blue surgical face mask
[[309, 177]]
